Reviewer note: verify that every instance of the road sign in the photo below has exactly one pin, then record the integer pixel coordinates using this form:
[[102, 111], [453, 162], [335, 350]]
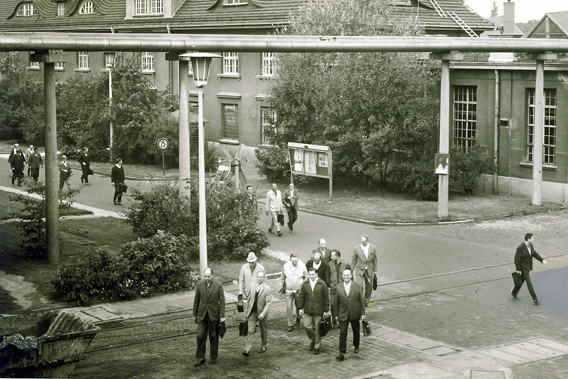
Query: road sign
[[162, 143]]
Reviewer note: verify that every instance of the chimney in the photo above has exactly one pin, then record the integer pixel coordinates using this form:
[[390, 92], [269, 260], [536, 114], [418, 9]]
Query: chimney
[[509, 18]]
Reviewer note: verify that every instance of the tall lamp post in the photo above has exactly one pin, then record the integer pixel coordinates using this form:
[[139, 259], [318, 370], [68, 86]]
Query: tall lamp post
[[109, 63], [200, 63]]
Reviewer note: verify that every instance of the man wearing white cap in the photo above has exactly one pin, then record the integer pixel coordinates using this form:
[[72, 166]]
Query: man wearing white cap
[[248, 274]]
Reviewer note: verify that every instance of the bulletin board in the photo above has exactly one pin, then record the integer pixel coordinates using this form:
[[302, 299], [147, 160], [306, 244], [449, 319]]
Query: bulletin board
[[311, 160]]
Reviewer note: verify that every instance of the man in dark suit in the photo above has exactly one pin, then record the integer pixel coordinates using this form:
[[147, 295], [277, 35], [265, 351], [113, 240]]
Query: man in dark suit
[[351, 304], [336, 268], [17, 163], [291, 203], [117, 178], [85, 162], [313, 305], [364, 265], [524, 265], [323, 250], [64, 172], [209, 310], [322, 269]]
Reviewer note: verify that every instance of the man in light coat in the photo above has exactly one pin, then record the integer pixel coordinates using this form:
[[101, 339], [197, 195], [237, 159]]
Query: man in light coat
[[274, 208], [248, 275], [293, 274], [364, 266], [260, 295]]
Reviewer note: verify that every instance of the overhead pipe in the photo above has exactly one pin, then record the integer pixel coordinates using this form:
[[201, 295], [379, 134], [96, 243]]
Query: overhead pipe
[[38, 41]]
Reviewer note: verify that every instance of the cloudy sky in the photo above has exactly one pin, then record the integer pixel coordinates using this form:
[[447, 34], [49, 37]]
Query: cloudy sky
[[525, 10]]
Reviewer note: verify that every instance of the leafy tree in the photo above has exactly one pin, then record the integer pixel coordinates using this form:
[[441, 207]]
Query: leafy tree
[[375, 110], [494, 10]]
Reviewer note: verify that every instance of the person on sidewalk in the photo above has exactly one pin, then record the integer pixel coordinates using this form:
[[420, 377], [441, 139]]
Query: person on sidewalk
[[29, 152], [293, 274], [65, 173], [291, 203], [17, 163], [117, 178], [524, 265], [260, 295], [35, 162], [314, 304], [247, 276], [252, 198], [85, 162], [322, 269], [323, 250], [209, 311], [351, 302], [274, 208], [364, 266], [336, 269]]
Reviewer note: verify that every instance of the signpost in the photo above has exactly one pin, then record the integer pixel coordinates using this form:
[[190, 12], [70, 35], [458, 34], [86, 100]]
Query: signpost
[[311, 160], [162, 145]]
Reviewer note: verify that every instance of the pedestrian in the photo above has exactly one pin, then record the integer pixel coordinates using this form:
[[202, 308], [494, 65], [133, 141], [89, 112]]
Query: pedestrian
[[314, 304], [117, 178], [252, 198], [524, 265], [293, 274], [17, 163], [65, 173], [274, 208], [323, 250], [322, 269], [260, 294], [29, 152], [35, 162], [85, 162], [209, 311], [351, 301], [248, 275], [336, 269], [364, 266], [291, 204]]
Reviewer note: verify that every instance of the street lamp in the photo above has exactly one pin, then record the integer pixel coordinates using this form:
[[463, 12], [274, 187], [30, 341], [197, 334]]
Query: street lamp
[[200, 63], [109, 63]]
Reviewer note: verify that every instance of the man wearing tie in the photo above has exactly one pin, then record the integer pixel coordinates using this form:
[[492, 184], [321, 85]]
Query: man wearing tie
[[524, 264], [324, 251], [364, 266], [291, 203], [260, 296], [351, 304]]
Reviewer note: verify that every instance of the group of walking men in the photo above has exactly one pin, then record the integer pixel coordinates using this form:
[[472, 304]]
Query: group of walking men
[[323, 287], [275, 205], [18, 161]]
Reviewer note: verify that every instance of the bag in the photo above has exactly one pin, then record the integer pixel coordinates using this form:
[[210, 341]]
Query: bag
[[324, 326], [243, 329], [91, 172], [222, 329], [517, 279], [124, 188], [281, 219], [240, 305], [375, 284], [366, 328]]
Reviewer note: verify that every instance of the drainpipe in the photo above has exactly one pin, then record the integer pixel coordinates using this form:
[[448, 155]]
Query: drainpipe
[[496, 137]]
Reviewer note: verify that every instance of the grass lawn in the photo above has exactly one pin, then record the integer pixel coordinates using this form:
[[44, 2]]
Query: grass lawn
[[10, 208]]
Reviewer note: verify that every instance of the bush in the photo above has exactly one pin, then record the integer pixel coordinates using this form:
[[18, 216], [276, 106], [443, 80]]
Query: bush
[[272, 162], [152, 265], [466, 168], [419, 178]]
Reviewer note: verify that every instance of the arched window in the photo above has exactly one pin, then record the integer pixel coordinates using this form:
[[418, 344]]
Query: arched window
[[87, 8], [27, 9]]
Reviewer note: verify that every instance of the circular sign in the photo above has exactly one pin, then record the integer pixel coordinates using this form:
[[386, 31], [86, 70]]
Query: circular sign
[[162, 143]]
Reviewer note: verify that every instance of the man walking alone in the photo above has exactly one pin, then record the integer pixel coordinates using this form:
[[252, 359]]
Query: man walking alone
[[524, 265]]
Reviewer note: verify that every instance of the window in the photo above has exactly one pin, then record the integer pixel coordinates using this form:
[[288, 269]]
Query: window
[[61, 9], [549, 127], [465, 116], [59, 66], [230, 121], [147, 62], [83, 60], [189, 69], [267, 124], [268, 64], [234, 2], [149, 7], [231, 63], [34, 65], [87, 8], [27, 9]]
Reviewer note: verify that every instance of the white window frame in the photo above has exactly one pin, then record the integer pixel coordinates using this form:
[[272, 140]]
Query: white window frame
[[550, 104], [61, 8], [26, 10], [83, 60], [231, 63], [230, 127], [59, 66], [234, 2], [34, 66], [147, 61], [87, 8], [268, 64], [267, 121], [465, 116], [149, 7]]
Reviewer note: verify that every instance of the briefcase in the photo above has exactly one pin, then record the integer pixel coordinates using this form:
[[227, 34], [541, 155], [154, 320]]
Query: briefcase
[[375, 284], [243, 328], [281, 219], [366, 328], [517, 279], [222, 329], [324, 326]]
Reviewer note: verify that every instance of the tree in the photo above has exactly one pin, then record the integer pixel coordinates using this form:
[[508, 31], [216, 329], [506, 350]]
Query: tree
[[494, 10], [375, 110]]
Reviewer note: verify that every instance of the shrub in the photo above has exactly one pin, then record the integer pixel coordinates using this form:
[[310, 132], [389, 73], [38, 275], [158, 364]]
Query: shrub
[[466, 168], [272, 162], [419, 178]]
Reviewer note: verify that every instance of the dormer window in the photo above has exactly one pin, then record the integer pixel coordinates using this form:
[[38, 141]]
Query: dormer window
[[234, 2], [87, 8], [61, 9], [149, 7], [27, 9]]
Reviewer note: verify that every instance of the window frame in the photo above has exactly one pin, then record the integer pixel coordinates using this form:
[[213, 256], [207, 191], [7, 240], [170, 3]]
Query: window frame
[[61, 8], [230, 131], [268, 64], [149, 8], [147, 62], [87, 8], [83, 61], [234, 2], [230, 65], [549, 127], [26, 10], [267, 113], [464, 116]]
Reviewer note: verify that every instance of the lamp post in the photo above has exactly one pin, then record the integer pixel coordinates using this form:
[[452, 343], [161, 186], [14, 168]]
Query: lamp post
[[109, 63], [200, 63]]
